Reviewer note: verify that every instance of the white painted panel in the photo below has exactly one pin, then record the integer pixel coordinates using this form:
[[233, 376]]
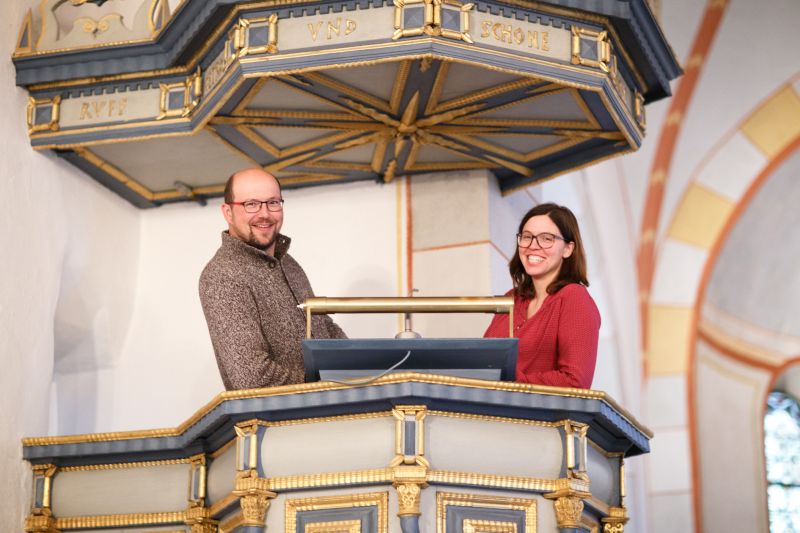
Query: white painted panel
[[161, 488], [336, 446], [733, 168], [493, 447], [221, 474], [604, 475]]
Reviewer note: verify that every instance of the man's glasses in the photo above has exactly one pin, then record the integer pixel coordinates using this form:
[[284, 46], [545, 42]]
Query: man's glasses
[[254, 206], [544, 240]]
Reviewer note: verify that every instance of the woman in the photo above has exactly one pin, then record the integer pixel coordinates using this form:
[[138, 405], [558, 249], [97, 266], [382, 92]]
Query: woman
[[555, 319]]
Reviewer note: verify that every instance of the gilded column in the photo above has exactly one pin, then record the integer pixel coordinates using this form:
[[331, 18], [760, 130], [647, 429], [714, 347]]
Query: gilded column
[[409, 466], [41, 519], [198, 516], [251, 485]]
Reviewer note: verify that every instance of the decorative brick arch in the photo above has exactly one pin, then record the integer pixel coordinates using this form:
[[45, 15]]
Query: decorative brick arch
[[718, 193]]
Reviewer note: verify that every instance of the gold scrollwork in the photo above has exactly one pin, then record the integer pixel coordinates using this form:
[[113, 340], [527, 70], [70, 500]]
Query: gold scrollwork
[[431, 11], [600, 39], [35, 105], [408, 496]]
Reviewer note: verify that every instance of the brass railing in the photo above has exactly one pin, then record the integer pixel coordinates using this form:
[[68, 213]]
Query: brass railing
[[399, 304]]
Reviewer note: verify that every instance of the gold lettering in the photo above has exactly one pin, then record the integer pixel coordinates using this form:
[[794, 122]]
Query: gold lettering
[[486, 27], [545, 41], [111, 108], [499, 32], [98, 107], [85, 112], [533, 39], [334, 28], [350, 27], [519, 35], [122, 103], [314, 30]]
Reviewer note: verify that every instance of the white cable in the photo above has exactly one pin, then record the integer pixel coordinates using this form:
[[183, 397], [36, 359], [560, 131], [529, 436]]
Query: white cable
[[366, 381]]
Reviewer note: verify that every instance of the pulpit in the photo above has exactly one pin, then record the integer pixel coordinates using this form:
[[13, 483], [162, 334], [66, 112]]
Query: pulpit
[[407, 452]]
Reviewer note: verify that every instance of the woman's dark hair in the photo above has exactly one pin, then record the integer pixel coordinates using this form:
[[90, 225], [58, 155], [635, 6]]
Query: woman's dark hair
[[573, 269]]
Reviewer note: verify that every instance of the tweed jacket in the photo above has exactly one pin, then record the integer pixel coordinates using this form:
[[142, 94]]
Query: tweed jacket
[[250, 302]]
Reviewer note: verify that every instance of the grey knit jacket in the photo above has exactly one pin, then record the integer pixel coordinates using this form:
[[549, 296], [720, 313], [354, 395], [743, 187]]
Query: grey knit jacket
[[250, 302]]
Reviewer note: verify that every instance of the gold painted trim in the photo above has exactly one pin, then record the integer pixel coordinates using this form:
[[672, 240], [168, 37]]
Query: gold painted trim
[[488, 92], [400, 377], [513, 154], [158, 8], [380, 500], [340, 526], [275, 151], [492, 481], [506, 420], [351, 91], [603, 48], [116, 466], [55, 114], [117, 520], [488, 526], [248, 97], [375, 476], [445, 499], [26, 32], [400, 81], [235, 87], [272, 35]]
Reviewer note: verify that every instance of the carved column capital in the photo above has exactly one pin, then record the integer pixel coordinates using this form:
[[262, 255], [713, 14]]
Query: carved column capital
[[408, 495], [568, 505], [41, 522], [409, 480], [615, 521], [254, 499], [199, 519]]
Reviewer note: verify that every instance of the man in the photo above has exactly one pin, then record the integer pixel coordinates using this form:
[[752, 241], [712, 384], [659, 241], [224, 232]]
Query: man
[[251, 288]]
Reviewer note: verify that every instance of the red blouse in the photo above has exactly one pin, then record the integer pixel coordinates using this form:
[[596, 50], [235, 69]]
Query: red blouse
[[557, 345]]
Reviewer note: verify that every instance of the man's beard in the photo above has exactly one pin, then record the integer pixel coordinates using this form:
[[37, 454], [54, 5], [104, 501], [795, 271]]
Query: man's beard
[[253, 241]]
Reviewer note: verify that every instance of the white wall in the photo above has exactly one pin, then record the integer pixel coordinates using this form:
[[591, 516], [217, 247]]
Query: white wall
[[57, 228]]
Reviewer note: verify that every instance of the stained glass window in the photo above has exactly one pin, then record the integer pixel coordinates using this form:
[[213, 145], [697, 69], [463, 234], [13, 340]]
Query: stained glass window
[[782, 449]]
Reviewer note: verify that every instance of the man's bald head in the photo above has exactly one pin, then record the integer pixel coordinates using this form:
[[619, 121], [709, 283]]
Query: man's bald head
[[255, 171]]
